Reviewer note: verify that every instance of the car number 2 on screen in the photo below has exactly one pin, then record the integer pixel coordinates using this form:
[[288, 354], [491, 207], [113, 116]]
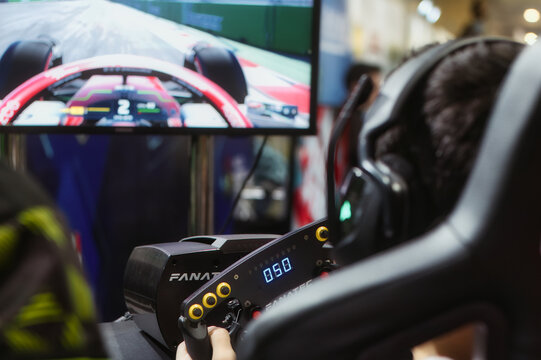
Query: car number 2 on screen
[[123, 107], [277, 270]]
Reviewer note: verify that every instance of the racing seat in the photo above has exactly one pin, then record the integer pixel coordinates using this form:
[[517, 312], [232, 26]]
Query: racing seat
[[482, 264]]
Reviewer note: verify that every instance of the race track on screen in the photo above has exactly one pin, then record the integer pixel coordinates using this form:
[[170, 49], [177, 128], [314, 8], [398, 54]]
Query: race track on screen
[[84, 29]]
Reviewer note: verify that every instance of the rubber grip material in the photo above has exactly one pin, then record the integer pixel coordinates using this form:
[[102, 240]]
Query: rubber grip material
[[197, 339]]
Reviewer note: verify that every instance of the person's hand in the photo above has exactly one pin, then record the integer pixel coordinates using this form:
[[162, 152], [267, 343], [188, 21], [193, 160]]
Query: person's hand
[[220, 342]]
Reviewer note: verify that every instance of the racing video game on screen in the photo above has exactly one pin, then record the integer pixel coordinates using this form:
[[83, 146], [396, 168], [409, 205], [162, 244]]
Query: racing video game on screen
[[243, 64]]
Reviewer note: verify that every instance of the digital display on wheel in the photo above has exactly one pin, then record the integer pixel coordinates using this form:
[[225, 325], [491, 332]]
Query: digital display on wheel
[[277, 269]]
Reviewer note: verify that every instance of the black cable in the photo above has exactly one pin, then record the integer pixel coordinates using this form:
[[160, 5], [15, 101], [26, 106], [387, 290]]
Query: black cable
[[358, 96], [237, 198]]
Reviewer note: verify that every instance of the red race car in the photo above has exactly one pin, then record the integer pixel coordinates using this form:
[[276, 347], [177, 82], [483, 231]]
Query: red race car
[[121, 90]]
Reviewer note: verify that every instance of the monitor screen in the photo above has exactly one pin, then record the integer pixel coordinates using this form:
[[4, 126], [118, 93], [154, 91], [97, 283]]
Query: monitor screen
[[140, 66]]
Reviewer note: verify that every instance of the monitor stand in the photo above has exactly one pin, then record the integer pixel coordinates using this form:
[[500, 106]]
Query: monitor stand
[[123, 340]]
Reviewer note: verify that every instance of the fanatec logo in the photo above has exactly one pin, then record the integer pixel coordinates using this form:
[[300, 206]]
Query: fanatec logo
[[287, 294], [192, 276]]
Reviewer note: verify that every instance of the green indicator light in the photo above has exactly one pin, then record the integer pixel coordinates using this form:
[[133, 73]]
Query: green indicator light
[[148, 111], [345, 211]]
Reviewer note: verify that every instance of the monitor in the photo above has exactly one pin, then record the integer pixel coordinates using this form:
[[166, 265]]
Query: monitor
[[139, 66]]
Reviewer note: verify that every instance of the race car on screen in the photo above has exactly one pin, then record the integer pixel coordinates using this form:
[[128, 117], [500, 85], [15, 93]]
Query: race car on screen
[[88, 98], [121, 90]]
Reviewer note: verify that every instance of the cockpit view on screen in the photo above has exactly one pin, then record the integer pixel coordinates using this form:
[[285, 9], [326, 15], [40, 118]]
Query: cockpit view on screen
[[178, 66]]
